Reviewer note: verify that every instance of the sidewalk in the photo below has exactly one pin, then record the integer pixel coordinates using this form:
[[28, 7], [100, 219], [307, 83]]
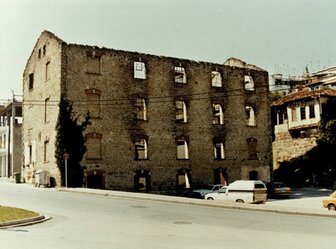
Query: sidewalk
[[305, 201]]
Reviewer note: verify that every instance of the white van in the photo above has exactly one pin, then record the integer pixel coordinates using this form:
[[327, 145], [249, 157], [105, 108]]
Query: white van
[[247, 191]]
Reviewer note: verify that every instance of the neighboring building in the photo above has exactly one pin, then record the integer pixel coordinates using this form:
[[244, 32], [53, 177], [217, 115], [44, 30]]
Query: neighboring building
[[284, 85], [158, 123], [325, 78], [10, 139], [296, 117]]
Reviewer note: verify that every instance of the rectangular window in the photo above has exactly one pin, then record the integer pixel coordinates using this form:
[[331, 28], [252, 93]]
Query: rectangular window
[[303, 112], [180, 75], [181, 111], [31, 81], [30, 148], [294, 114], [251, 120], [139, 70], [219, 151], [45, 154], [216, 79], [182, 149], [249, 83], [218, 116], [311, 111], [46, 109], [140, 109], [47, 71], [44, 49], [140, 149], [39, 53]]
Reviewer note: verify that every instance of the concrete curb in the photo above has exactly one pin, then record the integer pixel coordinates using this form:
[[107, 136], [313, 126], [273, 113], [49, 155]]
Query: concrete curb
[[201, 202], [24, 222]]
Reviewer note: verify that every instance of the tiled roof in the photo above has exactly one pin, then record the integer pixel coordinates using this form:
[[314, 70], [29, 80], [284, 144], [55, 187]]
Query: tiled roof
[[303, 94]]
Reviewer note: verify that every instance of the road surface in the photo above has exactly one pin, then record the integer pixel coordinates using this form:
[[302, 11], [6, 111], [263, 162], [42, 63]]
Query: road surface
[[95, 222]]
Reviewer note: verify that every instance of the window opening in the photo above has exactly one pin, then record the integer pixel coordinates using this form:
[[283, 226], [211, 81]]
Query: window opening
[[219, 151], [303, 112], [140, 149], [181, 111], [142, 180], [249, 83], [183, 180], [30, 148], [216, 79], [253, 175], [218, 115], [180, 75], [46, 145], [47, 71], [46, 109], [182, 149], [141, 111], [294, 114], [31, 81], [139, 70], [311, 111], [251, 121]]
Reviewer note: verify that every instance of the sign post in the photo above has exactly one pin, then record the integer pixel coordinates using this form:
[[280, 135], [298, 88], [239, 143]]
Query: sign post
[[66, 157]]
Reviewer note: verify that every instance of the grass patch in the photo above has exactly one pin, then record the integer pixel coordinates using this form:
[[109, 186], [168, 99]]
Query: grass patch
[[11, 214]]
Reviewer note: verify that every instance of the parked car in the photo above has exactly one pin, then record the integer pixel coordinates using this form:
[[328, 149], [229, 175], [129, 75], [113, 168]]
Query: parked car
[[200, 193], [245, 191], [278, 190], [330, 202]]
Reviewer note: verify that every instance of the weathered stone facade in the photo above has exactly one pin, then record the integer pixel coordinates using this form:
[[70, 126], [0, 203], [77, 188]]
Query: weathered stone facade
[[287, 147], [154, 119]]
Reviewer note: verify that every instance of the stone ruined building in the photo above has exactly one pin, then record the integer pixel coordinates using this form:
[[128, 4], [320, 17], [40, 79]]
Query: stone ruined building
[[158, 123]]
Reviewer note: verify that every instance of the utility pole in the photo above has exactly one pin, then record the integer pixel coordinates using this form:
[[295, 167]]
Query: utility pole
[[66, 157]]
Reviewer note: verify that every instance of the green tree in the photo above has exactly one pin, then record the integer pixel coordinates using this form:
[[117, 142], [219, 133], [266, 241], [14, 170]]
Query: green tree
[[325, 159], [70, 139], [328, 124]]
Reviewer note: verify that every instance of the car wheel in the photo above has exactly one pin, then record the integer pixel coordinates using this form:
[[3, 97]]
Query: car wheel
[[210, 198], [331, 207], [240, 201]]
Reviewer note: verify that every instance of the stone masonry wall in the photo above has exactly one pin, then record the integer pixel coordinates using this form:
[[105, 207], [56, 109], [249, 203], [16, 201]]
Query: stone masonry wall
[[39, 115], [118, 128], [286, 147], [108, 89]]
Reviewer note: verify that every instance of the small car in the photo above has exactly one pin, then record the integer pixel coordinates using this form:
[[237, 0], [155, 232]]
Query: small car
[[200, 193], [278, 190], [330, 202]]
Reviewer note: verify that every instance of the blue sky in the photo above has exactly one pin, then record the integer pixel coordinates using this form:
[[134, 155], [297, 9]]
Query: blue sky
[[281, 36]]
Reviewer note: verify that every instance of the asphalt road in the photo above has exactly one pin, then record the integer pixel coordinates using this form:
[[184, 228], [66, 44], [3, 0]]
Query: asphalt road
[[91, 221]]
